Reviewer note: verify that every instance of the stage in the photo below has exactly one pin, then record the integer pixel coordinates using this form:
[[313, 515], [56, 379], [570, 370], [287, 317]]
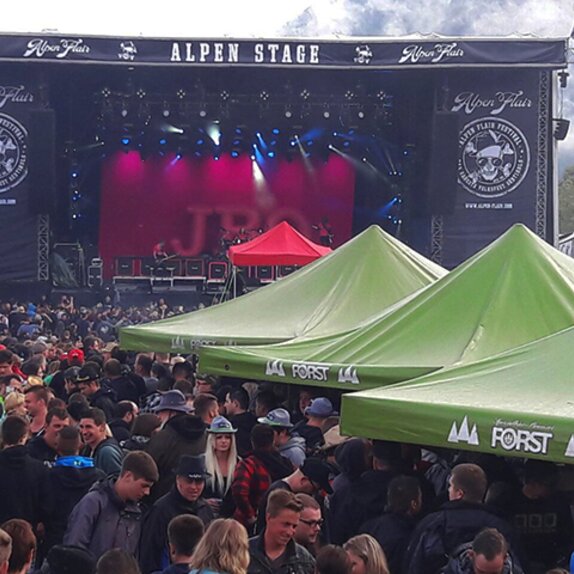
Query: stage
[[111, 145]]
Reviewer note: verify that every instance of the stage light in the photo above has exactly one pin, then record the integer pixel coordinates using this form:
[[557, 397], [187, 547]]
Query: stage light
[[305, 94], [326, 114], [234, 153], [238, 131], [178, 156], [252, 157], [293, 143], [349, 95], [216, 157], [200, 141], [141, 93], [202, 113], [365, 159], [263, 95], [126, 141], [288, 114], [271, 154], [162, 141], [309, 143], [180, 94], [124, 112], [74, 174], [106, 92], [346, 144], [361, 114], [236, 142], [273, 143], [165, 112], [224, 95], [275, 131], [381, 95], [214, 133]]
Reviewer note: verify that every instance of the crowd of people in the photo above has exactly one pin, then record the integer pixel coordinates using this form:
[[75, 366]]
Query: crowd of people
[[123, 463]]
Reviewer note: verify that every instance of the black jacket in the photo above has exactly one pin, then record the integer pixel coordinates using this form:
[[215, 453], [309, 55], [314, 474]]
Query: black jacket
[[354, 504], [461, 563], [68, 486], [439, 534], [244, 423], [392, 531], [153, 543], [24, 489], [182, 434], [297, 560], [120, 430], [38, 449], [104, 399]]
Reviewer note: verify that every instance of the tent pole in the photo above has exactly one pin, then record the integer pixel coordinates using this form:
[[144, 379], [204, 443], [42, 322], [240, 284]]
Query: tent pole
[[234, 282]]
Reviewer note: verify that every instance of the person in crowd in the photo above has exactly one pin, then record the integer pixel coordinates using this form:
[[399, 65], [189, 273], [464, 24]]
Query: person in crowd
[[541, 515], [488, 552], [311, 429], [352, 458], [206, 407], [457, 521], [104, 449], [5, 551], [23, 545], [180, 434], [275, 550], [304, 398], [311, 478], [124, 384], [332, 559], [182, 371], [100, 397], [70, 477], [183, 534], [6, 362], [265, 401], [352, 505], [24, 488], [36, 400], [254, 475], [109, 516], [70, 383], [43, 447], [14, 404], [117, 561], [222, 550], [143, 367], [143, 428], [184, 498], [365, 555], [236, 408], [393, 529], [220, 460], [288, 443], [121, 424], [310, 523], [205, 384]]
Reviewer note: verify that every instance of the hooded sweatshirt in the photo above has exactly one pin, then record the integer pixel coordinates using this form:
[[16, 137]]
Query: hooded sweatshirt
[[294, 450]]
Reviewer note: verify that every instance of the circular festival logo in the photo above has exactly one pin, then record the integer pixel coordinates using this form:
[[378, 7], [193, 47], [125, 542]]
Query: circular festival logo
[[494, 157], [13, 153]]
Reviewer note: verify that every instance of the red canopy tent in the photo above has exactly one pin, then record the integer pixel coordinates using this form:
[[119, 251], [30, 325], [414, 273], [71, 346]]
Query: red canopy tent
[[281, 245]]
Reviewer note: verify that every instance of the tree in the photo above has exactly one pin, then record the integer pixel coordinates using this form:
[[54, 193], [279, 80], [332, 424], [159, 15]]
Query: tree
[[566, 202]]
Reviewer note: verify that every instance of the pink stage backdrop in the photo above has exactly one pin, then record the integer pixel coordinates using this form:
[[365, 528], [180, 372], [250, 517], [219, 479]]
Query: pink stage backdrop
[[186, 202]]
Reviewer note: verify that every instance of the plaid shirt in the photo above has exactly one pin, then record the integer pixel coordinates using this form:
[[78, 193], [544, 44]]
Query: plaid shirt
[[250, 483]]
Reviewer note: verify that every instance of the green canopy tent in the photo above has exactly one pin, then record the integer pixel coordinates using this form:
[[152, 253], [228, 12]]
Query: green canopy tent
[[516, 290], [333, 294], [519, 403]]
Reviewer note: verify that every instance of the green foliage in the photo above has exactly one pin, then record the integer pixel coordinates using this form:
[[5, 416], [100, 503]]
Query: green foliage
[[566, 201]]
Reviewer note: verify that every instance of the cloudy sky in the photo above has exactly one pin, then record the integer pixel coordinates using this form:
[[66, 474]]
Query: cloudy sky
[[326, 18]]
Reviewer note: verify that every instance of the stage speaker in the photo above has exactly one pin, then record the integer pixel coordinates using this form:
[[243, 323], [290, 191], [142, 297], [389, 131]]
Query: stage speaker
[[95, 276], [285, 270], [266, 274], [42, 162], [443, 163], [125, 266], [217, 271], [148, 264], [195, 268]]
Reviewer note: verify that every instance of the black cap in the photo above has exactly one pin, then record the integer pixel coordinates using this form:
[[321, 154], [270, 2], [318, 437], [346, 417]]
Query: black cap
[[192, 467], [88, 373], [318, 471]]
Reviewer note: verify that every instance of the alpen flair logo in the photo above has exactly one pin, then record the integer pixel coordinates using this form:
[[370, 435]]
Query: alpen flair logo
[[416, 53], [13, 153], [62, 48], [494, 157], [463, 433]]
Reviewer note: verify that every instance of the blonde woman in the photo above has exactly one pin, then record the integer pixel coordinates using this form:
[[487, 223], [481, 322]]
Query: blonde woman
[[223, 549], [220, 461], [366, 555]]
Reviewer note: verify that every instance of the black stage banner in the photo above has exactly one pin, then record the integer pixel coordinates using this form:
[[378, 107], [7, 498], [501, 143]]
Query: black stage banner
[[348, 53], [504, 159], [18, 227]]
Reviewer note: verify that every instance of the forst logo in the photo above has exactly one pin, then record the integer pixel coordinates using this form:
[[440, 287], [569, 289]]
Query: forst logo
[[521, 439]]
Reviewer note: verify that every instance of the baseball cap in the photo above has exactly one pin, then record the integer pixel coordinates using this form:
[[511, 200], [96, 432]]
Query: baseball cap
[[321, 407], [192, 467], [88, 373], [77, 354], [318, 471]]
